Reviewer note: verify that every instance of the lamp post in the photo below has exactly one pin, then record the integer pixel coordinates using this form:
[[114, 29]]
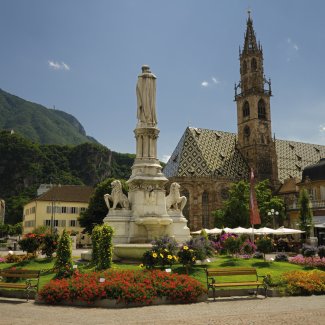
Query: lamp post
[[273, 213]]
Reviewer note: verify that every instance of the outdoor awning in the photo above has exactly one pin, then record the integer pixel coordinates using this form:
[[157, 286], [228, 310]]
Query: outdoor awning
[[287, 231]]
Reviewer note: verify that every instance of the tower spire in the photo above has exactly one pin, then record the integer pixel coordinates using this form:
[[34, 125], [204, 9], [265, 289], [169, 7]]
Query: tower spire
[[250, 44]]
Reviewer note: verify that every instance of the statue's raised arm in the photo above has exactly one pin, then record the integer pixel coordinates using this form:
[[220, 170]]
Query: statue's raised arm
[[146, 98]]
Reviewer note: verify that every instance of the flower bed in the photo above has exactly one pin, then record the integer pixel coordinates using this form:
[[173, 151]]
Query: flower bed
[[306, 283], [308, 261], [125, 287]]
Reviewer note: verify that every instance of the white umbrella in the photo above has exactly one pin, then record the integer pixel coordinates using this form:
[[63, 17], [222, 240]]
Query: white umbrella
[[198, 232], [215, 231], [264, 231], [287, 231], [241, 230], [227, 230]]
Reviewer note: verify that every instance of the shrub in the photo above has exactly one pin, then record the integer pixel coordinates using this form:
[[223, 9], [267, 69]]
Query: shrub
[[232, 245], [124, 286], [30, 243], [321, 251], [105, 248], [264, 245], [13, 258], [247, 247], [187, 257], [301, 282], [202, 247], [281, 257], [63, 263], [165, 242], [220, 244], [49, 244], [95, 239], [308, 261], [308, 251], [162, 254], [258, 255]]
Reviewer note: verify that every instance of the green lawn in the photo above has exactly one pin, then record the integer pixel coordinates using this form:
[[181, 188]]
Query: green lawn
[[274, 269]]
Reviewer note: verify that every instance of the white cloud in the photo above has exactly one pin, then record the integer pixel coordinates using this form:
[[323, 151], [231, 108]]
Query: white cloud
[[322, 128], [215, 80], [204, 84], [165, 158], [292, 44], [58, 65]]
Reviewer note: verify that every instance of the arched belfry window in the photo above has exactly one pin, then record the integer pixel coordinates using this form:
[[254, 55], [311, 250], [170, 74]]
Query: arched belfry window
[[253, 64], [205, 210], [246, 109], [244, 67], [261, 109]]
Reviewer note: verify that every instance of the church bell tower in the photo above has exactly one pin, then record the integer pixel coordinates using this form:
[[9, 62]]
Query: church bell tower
[[252, 96]]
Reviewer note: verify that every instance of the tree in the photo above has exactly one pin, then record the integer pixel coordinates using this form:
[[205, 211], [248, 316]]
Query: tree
[[63, 263], [236, 208], [305, 213], [105, 247], [97, 209]]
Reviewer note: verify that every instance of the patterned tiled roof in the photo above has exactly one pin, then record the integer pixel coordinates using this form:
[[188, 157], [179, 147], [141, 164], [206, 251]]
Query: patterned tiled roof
[[203, 152]]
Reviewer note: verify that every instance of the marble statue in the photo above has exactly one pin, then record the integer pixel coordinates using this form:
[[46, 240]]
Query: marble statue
[[174, 201], [117, 197], [146, 97]]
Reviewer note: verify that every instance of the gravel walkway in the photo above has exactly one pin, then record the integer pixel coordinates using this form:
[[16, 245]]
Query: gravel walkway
[[285, 310]]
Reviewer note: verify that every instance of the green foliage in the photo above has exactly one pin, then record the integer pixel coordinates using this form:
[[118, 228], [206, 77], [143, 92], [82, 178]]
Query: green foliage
[[187, 257], [97, 209], [11, 230], [25, 165], [235, 212], [38, 123], [95, 239], [232, 245], [63, 263], [305, 212], [30, 243], [105, 247], [264, 245], [49, 244]]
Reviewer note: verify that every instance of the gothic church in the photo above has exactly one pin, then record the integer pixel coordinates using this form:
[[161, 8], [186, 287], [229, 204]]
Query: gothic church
[[205, 162]]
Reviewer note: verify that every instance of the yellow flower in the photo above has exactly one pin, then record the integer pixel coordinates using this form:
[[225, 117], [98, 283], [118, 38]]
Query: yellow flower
[[185, 248], [154, 255], [191, 250], [193, 258], [166, 250], [141, 265], [161, 255], [175, 258], [169, 257]]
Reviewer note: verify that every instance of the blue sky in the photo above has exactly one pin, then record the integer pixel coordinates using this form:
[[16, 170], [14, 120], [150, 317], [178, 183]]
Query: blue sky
[[83, 57]]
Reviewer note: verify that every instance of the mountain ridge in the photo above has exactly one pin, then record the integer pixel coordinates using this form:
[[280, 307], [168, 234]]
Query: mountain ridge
[[40, 124]]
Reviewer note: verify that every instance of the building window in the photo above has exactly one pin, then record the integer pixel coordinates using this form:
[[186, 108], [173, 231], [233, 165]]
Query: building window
[[82, 209], [261, 109], [254, 64], [246, 109], [205, 210], [74, 223], [64, 209], [47, 223], [30, 224]]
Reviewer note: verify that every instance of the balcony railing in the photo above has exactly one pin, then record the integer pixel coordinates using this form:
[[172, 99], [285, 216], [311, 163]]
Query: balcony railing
[[314, 204]]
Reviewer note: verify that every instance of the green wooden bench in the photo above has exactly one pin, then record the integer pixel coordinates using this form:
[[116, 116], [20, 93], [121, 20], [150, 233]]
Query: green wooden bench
[[30, 284], [216, 278]]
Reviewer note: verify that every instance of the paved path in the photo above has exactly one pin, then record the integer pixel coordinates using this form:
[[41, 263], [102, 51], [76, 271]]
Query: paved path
[[285, 310]]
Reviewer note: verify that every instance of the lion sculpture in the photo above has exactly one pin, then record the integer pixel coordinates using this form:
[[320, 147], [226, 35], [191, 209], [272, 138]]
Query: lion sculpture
[[174, 201], [117, 196]]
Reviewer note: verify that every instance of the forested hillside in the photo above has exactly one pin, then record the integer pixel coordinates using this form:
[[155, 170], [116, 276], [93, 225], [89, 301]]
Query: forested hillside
[[25, 165]]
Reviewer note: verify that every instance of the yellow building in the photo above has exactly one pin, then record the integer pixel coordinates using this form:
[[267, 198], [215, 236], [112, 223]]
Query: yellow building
[[59, 208]]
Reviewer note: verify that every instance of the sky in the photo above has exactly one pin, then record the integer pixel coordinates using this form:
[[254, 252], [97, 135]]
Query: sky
[[84, 57]]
